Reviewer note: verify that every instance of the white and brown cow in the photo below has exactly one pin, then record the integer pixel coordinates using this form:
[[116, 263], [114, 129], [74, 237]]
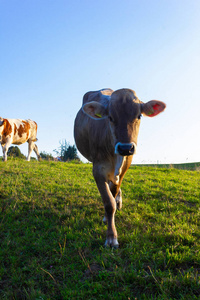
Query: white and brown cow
[[17, 131], [106, 130]]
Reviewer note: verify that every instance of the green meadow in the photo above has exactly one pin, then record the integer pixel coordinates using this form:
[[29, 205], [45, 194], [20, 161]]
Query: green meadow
[[52, 235]]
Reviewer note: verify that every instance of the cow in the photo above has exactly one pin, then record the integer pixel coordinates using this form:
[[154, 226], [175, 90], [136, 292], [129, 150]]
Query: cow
[[17, 132], [106, 131]]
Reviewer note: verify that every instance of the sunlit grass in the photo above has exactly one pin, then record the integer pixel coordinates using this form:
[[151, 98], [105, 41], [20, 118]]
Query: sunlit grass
[[52, 234]]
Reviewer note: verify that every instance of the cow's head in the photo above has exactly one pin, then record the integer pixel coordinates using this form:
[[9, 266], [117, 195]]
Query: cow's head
[[124, 112]]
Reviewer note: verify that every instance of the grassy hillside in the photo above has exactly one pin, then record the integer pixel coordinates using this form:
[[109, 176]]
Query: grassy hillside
[[184, 166], [52, 235]]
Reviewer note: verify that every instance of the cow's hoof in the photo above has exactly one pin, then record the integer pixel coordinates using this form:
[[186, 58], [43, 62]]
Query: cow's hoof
[[113, 243], [105, 220]]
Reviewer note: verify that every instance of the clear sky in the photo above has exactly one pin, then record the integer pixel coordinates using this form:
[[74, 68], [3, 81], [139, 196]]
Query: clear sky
[[53, 52]]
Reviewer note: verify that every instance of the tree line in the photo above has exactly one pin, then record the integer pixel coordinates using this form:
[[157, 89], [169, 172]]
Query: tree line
[[65, 152]]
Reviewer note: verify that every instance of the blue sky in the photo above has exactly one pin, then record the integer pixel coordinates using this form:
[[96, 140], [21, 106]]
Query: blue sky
[[52, 52]]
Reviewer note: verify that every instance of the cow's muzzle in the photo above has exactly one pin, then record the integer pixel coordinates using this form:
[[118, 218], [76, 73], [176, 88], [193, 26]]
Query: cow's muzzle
[[125, 149]]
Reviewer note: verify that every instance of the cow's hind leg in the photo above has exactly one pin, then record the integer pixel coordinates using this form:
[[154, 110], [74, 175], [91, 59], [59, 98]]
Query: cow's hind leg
[[118, 199], [35, 149], [31, 147], [117, 194]]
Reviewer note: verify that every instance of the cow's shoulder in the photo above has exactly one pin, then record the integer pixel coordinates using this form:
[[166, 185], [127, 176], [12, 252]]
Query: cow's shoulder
[[101, 96], [7, 127], [17, 122]]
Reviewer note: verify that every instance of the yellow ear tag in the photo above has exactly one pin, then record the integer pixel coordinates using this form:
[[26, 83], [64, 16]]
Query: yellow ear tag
[[151, 112], [98, 115]]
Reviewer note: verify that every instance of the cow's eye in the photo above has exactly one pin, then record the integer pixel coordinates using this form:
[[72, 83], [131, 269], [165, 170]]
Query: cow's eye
[[139, 117]]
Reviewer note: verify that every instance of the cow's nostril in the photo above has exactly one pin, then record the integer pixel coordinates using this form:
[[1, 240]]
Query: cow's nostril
[[132, 150], [125, 149]]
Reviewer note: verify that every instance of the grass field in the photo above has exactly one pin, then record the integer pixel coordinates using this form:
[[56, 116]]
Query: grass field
[[184, 166], [52, 235]]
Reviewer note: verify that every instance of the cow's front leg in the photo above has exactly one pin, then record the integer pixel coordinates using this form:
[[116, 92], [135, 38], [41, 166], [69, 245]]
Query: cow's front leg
[[30, 149], [109, 205], [5, 150]]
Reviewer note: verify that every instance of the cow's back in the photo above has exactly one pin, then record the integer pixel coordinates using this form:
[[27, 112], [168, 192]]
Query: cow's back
[[20, 130]]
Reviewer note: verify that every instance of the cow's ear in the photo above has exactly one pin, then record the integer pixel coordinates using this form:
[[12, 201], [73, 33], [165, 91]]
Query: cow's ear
[[95, 110], [153, 108]]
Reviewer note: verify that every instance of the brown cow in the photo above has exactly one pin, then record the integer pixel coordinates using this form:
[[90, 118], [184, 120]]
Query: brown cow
[[17, 131], [106, 130]]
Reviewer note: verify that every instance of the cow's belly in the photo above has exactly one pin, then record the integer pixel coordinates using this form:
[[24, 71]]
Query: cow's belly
[[19, 140]]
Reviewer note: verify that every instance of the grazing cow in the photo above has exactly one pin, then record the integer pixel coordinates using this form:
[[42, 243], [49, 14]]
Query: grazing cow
[[17, 131], [106, 130]]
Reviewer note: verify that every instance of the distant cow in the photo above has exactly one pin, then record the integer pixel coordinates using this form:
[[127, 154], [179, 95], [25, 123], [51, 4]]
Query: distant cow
[[17, 131], [106, 130]]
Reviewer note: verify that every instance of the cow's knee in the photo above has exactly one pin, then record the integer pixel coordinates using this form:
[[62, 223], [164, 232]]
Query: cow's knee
[[104, 220]]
